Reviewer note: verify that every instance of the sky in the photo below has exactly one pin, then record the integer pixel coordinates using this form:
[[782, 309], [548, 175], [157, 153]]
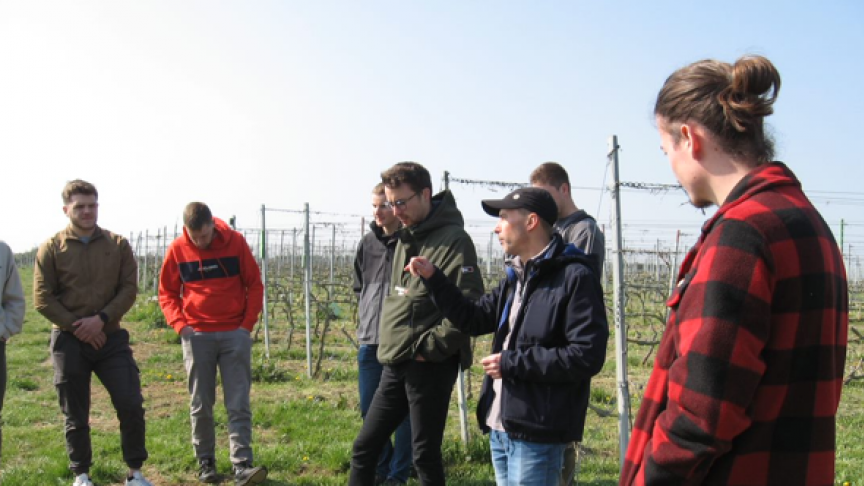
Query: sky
[[279, 103]]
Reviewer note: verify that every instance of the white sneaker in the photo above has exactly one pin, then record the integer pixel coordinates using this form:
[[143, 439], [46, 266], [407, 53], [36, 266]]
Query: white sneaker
[[82, 480], [137, 479]]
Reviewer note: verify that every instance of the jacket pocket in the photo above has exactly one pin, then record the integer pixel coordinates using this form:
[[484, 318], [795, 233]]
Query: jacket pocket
[[65, 355], [540, 410], [394, 329]]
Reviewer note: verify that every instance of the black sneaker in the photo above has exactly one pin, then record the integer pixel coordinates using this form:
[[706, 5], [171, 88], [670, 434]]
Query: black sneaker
[[207, 470], [245, 473]]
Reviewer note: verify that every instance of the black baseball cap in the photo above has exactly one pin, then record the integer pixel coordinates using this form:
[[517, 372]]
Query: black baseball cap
[[533, 199]]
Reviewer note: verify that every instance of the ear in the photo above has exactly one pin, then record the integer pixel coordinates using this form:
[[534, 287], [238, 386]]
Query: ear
[[66, 210], [693, 140], [565, 188], [532, 221]]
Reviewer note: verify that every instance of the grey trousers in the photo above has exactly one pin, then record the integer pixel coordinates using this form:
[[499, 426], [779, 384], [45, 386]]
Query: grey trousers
[[231, 352]]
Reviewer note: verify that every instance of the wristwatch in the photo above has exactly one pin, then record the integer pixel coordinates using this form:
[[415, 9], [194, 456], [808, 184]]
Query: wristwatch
[[103, 316]]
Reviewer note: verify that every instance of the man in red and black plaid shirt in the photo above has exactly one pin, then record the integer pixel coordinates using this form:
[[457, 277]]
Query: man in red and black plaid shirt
[[749, 371]]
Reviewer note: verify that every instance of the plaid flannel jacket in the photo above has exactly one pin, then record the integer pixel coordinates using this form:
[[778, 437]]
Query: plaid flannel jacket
[[748, 375]]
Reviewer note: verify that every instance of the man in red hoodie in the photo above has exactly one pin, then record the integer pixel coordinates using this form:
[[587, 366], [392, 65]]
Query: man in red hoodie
[[211, 293]]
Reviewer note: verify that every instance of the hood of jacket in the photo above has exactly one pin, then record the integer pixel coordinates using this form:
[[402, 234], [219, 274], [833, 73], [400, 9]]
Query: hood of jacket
[[442, 213], [222, 235]]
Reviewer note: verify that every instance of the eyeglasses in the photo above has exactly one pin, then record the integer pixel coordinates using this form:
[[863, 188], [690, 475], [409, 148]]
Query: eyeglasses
[[400, 203]]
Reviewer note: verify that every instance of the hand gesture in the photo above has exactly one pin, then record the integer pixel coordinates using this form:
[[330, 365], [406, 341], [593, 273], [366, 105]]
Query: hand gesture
[[492, 365], [420, 267]]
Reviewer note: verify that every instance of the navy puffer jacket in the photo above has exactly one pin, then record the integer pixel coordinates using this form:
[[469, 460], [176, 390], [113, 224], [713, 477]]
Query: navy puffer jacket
[[558, 342]]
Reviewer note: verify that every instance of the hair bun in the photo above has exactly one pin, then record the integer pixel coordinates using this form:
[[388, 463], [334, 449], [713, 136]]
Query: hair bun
[[751, 93]]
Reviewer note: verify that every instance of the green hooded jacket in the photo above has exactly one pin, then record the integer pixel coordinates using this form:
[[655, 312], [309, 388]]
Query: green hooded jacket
[[410, 323]]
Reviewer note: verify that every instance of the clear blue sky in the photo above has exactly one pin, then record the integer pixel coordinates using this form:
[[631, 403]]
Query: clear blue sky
[[245, 103]]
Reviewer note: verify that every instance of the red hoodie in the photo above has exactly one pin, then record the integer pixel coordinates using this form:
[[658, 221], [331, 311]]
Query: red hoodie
[[217, 289]]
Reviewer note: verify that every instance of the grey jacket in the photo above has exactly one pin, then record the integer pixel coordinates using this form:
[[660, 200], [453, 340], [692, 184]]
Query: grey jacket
[[372, 280], [581, 229], [11, 294]]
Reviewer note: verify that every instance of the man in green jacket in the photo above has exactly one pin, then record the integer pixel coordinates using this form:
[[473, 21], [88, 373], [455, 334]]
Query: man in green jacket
[[420, 350]]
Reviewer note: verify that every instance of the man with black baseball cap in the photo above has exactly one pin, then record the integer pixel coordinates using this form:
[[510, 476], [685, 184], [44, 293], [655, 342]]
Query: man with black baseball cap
[[550, 330], [533, 199]]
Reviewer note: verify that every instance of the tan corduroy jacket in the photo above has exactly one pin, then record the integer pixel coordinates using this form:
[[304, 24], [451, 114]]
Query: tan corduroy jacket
[[72, 279]]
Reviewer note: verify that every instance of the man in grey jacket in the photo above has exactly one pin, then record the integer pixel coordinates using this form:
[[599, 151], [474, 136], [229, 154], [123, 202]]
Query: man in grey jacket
[[11, 312], [573, 224], [372, 268]]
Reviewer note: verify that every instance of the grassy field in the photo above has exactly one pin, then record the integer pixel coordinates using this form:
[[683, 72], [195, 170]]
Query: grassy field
[[303, 427]]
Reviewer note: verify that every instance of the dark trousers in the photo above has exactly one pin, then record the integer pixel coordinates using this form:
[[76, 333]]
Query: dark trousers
[[74, 361], [420, 390], [2, 388], [395, 460]]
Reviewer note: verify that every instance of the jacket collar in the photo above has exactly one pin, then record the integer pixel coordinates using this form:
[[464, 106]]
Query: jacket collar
[[379, 233], [761, 178], [69, 234], [556, 253]]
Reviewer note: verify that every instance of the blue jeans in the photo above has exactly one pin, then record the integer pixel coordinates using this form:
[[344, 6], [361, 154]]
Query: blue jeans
[[394, 462], [523, 463]]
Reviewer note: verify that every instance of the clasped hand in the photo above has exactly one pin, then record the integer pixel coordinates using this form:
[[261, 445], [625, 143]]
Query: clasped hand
[[89, 330]]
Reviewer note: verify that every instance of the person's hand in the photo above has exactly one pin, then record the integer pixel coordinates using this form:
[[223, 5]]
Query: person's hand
[[492, 365], [88, 328], [187, 331], [420, 267], [98, 341]]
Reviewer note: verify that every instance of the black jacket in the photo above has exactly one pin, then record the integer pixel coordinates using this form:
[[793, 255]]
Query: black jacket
[[558, 343], [372, 280]]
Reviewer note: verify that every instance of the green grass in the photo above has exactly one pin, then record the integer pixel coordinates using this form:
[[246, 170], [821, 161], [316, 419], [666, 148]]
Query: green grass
[[304, 427]]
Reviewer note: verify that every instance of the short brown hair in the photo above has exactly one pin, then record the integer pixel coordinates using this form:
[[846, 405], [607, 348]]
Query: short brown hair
[[550, 174], [730, 101], [78, 186], [378, 190], [411, 173], [197, 215]]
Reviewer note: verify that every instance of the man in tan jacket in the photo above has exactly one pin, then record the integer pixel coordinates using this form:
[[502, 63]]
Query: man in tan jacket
[[84, 281]]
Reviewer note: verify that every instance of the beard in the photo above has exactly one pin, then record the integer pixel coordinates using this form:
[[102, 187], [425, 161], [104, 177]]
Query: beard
[[701, 203]]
